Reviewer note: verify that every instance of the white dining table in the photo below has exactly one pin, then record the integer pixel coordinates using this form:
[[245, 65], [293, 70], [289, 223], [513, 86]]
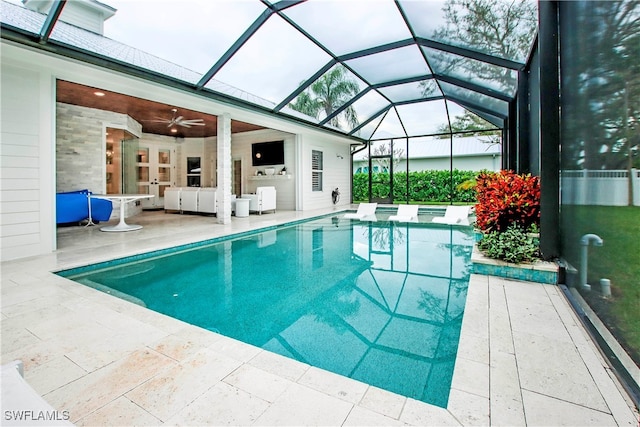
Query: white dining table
[[124, 199]]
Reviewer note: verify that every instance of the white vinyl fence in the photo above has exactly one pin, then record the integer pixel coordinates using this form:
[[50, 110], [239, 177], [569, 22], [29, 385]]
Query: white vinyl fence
[[599, 187]]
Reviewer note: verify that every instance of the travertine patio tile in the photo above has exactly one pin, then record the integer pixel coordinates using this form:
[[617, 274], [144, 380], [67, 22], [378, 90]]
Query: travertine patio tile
[[475, 320], [37, 353], [555, 369], [14, 339], [198, 335], [31, 319], [525, 292], [538, 319], [422, 414], [45, 302], [120, 412], [300, 405], [64, 321], [257, 382], [96, 389], [541, 410], [53, 374], [383, 402], [24, 293], [280, 365], [334, 385], [471, 376], [606, 381], [474, 348], [170, 391], [469, 409], [234, 348], [500, 337], [364, 417], [221, 405], [176, 347], [103, 352], [505, 393]]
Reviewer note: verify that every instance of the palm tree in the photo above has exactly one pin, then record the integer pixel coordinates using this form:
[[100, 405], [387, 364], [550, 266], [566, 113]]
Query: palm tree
[[332, 90]]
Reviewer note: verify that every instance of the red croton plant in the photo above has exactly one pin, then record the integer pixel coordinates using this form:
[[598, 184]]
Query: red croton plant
[[505, 198]]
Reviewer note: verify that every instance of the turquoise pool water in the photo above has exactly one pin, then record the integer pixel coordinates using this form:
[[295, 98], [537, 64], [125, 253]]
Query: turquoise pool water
[[378, 302]]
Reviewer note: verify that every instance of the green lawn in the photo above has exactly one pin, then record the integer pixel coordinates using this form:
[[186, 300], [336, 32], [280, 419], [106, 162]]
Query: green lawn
[[618, 260]]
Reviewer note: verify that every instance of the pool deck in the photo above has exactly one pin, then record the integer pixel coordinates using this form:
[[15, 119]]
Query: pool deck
[[524, 358]]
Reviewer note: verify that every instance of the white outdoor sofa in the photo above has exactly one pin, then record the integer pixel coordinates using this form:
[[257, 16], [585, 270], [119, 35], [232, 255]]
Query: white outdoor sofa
[[191, 199]]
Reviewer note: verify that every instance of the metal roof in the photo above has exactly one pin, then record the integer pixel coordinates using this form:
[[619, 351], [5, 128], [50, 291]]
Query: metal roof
[[407, 69]]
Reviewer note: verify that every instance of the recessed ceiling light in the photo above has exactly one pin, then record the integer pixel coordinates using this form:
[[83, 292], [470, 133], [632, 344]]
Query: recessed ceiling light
[[174, 130], [98, 93]]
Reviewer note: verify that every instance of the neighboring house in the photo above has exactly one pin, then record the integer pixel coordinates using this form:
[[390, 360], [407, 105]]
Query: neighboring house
[[470, 153], [49, 145]]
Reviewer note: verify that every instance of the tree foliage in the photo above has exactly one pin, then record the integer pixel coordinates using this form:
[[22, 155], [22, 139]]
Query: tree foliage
[[501, 29], [384, 149], [472, 125], [601, 80], [423, 186], [328, 94]]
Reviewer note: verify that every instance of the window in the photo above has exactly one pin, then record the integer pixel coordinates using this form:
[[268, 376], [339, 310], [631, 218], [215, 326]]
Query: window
[[316, 170]]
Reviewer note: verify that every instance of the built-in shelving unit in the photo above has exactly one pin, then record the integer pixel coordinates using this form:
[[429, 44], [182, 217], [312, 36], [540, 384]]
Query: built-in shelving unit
[[269, 177]]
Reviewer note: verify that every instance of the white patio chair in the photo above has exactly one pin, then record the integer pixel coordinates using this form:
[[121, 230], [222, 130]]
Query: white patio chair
[[263, 200]]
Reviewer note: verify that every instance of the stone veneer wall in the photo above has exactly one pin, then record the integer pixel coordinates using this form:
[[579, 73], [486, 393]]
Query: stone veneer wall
[[80, 145]]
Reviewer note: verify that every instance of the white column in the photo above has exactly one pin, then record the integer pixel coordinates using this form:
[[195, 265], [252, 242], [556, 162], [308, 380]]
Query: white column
[[224, 169]]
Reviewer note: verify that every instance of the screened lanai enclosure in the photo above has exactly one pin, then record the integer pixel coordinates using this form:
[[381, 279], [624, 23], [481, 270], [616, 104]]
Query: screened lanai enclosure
[[419, 71], [553, 84]]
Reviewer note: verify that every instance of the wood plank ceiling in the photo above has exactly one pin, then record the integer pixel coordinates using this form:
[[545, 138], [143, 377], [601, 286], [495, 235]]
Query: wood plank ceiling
[[144, 111]]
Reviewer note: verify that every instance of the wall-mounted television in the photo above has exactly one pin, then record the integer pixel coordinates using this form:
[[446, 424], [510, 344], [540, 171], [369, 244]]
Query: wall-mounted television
[[267, 153]]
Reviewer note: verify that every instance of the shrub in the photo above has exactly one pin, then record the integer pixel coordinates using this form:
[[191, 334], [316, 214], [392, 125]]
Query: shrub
[[513, 245], [424, 186], [506, 198]]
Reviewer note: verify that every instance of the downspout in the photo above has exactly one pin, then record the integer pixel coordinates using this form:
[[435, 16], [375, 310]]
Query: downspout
[[355, 150]]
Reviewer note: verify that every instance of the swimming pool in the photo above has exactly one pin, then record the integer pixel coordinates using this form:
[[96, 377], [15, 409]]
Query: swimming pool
[[378, 302]]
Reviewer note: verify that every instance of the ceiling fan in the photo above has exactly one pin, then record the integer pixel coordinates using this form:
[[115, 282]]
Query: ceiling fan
[[178, 120]]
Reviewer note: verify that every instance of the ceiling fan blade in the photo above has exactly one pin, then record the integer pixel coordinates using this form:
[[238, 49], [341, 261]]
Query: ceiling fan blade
[[183, 124], [178, 119]]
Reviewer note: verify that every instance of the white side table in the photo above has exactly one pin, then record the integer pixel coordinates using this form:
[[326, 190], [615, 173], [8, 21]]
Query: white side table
[[242, 208]]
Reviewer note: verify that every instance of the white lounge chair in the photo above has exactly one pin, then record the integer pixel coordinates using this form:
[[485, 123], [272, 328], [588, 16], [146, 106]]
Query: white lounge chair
[[454, 215], [365, 212], [406, 213]]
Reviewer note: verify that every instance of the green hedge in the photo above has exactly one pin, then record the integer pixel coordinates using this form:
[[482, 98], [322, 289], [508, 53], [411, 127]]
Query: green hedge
[[424, 186]]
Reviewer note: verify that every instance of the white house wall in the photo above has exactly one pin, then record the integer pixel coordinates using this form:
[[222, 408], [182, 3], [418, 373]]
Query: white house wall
[[28, 141], [336, 172], [466, 163], [27, 188], [285, 186]]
